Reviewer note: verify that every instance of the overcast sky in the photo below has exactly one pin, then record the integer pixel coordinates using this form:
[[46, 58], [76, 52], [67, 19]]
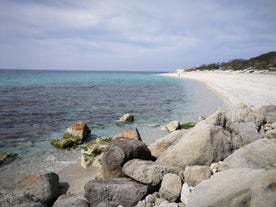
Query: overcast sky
[[133, 34]]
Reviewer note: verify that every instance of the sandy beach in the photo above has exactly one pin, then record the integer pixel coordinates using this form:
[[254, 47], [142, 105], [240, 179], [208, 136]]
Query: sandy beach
[[252, 89]]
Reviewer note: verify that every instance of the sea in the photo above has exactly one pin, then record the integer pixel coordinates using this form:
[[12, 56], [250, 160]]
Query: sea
[[38, 105]]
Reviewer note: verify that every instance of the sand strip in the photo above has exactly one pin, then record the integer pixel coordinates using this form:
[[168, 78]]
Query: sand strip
[[252, 89]]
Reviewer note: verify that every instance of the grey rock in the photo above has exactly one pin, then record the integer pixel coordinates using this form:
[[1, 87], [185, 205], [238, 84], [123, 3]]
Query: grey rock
[[270, 113], [118, 152], [264, 191], [5, 158], [196, 174], [171, 187], [44, 187], [114, 192], [71, 201], [259, 154], [147, 172], [17, 198], [248, 132], [158, 147], [211, 140], [150, 199], [227, 188]]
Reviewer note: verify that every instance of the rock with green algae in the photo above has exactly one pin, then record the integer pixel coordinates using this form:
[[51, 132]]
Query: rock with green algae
[[77, 132], [92, 150], [62, 143], [6, 157]]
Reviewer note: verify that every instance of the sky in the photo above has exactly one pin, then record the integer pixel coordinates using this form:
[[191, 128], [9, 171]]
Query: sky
[[145, 35]]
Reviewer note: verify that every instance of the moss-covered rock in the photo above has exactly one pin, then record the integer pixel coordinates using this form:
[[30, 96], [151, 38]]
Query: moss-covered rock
[[90, 152], [62, 143]]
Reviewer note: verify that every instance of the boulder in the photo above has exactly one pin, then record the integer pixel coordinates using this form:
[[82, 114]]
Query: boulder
[[10, 198], [248, 131], [127, 118], [227, 188], [194, 175], [264, 190], [171, 126], [211, 140], [271, 134], [259, 154], [62, 143], [118, 152], [161, 145], [5, 158], [270, 113], [44, 187], [77, 132], [130, 134], [71, 201], [147, 172], [114, 192], [171, 187], [242, 113]]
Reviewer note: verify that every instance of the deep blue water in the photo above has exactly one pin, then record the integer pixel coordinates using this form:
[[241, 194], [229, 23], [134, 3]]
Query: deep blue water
[[36, 106]]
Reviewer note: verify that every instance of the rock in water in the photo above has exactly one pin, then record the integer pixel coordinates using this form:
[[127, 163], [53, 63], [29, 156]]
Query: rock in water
[[147, 172], [118, 152], [6, 157], [171, 187], [130, 134], [114, 192], [62, 143], [78, 132], [127, 118], [172, 126], [44, 187]]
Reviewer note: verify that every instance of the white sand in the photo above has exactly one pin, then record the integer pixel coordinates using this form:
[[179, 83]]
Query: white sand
[[252, 89]]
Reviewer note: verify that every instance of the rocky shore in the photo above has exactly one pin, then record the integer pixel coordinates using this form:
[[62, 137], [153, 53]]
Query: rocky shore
[[227, 159]]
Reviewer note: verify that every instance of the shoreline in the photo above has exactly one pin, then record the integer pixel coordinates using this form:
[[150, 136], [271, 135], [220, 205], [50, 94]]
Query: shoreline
[[219, 83], [251, 89]]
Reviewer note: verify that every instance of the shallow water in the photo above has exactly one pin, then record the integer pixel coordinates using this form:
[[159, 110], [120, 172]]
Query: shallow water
[[36, 106]]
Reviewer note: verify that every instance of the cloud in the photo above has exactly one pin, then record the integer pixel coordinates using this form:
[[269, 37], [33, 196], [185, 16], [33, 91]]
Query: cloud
[[132, 34]]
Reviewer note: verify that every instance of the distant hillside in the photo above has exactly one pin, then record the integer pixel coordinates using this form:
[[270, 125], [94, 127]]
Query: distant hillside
[[265, 61]]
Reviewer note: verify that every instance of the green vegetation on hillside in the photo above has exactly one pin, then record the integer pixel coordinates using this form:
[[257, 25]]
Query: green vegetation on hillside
[[265, 61]]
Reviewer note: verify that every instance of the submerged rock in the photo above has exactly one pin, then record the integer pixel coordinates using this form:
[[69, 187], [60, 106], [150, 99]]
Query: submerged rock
[[62, 143], [118, 152], [77, 132], [114, 192]]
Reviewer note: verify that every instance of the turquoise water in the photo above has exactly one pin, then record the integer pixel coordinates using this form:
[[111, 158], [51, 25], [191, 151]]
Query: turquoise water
[[36, 106]]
